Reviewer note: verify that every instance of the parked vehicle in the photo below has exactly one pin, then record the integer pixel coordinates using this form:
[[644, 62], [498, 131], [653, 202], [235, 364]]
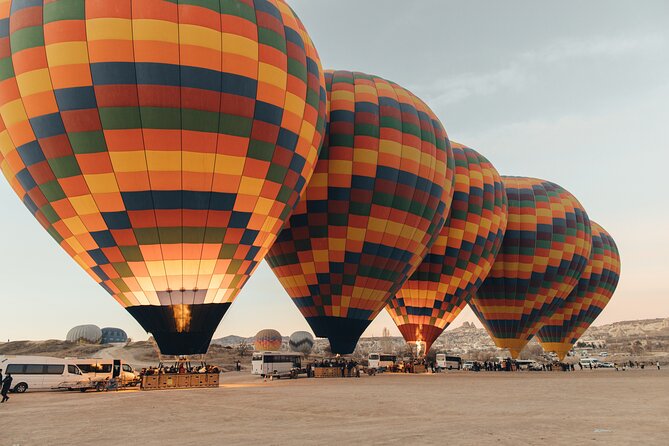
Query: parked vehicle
[[587, 362], [605, 365], [448, 362], [468, 365], [380, 361], [604, 354], [277, 364], [528, 364], [102, 370], [42, 373]]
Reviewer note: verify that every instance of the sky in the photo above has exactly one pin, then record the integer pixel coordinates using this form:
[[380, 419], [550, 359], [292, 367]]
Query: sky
[[573, 92]]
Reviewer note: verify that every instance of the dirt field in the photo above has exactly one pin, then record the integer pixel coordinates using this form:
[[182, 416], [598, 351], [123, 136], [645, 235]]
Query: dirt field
[[603, 406]]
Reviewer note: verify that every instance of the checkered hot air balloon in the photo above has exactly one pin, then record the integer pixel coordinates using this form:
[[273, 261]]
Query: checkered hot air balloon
[[461, 257], [267, 340], [378, 199], [162, 144], [545, 250], [587, 300]]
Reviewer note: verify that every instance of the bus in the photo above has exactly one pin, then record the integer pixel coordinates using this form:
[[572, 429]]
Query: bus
[[42, 373], [381, 361], [448, 362], [276, 364]]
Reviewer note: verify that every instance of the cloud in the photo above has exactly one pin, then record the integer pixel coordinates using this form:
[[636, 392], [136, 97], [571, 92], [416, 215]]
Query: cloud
[[600, 46], [524, 68]]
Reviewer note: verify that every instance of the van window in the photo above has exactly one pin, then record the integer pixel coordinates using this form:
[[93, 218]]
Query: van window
[[35, 369], [73, 369], [127, 368], [55, 369], [86, 368], [15, 369]]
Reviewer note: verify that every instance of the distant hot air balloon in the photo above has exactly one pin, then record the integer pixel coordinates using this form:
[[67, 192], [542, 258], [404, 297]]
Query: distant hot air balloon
[[587, 300], [545, 249], [377, 201], [268, 340], [162, 144], [301, 342], [461, 257]]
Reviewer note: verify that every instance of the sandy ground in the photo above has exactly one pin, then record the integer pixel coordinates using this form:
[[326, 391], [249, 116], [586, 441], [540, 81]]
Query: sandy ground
[[584, 407]]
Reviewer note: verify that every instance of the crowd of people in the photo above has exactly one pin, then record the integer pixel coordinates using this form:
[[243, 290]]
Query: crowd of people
[[179, 368], [349, 368]]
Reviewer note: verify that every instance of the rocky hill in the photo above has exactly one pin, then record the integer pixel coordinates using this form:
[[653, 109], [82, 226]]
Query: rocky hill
[[644, 340]]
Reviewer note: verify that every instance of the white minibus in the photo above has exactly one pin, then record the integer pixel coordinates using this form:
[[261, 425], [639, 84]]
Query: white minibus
[[41, 372], [102, 369]]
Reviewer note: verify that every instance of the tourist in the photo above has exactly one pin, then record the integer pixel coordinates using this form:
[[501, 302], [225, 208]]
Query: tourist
[[658, 365], [6, 385]]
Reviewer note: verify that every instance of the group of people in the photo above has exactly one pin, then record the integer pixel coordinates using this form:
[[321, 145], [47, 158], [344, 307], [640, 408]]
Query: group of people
[[180, 368], [6, 386], [635, 364], [349, 368]]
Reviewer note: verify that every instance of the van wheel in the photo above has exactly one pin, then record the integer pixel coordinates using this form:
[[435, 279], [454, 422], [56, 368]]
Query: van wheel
[[21, 388], [99, 387]]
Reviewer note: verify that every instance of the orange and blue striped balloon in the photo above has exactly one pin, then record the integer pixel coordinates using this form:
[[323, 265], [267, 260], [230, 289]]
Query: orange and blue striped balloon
[[378, 199], [161, 143], [588, 299], [546, 247], [462, 256]]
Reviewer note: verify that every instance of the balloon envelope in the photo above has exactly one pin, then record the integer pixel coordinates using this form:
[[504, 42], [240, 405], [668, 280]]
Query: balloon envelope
[[587, 300], [301, 342], [268, 340], [462, 255], [378, 199], [162, 144], [544, 252]]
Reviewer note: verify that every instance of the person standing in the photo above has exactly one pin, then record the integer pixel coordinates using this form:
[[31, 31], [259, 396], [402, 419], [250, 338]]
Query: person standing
[[6, 385], [658, 365]]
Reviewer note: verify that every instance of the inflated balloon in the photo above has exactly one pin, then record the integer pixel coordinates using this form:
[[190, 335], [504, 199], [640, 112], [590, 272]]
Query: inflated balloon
[[162, 144], [301, 342], [268, 340], [461, 257], [378, 199], [545, 250], [587, 300]]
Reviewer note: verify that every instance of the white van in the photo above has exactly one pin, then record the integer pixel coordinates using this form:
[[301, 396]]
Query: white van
[[41, 373], [587, 362], [102, 369]]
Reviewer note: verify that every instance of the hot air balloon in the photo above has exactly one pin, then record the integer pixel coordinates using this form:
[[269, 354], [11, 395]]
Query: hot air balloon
[[461, 257], [545, 249], [162, 144], [587, 300], [378, 199], [268, 340], [301, 342]]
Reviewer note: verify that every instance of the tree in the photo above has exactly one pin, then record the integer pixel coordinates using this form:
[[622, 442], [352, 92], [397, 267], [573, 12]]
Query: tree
[[243, 348]]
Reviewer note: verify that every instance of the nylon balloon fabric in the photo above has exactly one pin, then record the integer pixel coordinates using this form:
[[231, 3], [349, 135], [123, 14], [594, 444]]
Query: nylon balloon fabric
[[588, 299], [462, 255], [378, 199], [161, 143], [545, 249]]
